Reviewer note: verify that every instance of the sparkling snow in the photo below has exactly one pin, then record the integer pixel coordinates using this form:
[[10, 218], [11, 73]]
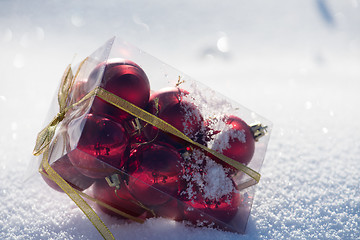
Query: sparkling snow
[[294, 62]]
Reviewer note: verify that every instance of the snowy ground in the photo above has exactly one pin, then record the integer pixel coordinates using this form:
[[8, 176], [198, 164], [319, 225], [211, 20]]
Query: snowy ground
[[294, 62]]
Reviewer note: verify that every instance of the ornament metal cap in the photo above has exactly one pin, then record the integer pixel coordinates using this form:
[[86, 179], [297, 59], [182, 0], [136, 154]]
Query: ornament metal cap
[[258, 130], [113, 181], [133, 126]]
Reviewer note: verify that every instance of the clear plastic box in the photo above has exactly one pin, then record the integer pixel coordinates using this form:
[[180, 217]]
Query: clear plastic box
[[134, 168]]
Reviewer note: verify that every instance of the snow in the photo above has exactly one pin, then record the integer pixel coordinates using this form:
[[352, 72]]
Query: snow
[[294, 62], [217, 184], [222, 140], [204, 175]]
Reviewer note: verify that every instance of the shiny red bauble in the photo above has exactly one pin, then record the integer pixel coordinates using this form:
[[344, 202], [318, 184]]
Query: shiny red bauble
[[241, 145], [99, 145], [173, 209], [154, 174], [167, 97], [203, 212], [169, 105], [69, 173], [125, 79], [120, 199]]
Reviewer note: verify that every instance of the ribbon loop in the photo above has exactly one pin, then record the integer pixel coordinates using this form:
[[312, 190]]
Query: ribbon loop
[[45, 136], [65, 86], [60, 116]]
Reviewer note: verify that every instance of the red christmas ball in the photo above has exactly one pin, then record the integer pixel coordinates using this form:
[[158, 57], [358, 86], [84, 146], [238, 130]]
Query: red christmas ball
[[166, 97], [69, 173], [169, 105], [100, 145], [135, 128], [154, 174], [125, 79], [120, 199], [173, 209], [237, 143], [204, 212]]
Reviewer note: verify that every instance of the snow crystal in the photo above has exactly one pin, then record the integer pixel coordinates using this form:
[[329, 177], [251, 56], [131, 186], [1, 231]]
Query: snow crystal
[[191, 117], [222, 140], [205, 176], [217, 184]]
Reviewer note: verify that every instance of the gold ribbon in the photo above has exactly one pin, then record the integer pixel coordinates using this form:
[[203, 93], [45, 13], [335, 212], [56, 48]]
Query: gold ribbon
[[79, 201], [121, 213], [46, 135]]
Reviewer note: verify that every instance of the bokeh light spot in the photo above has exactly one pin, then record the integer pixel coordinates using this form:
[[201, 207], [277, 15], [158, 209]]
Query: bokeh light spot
[[77, 20], [223, 44], [19, 61], [308, 105]]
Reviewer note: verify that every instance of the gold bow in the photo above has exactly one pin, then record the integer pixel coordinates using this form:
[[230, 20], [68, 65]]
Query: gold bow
[[46, 135], [44, 139]]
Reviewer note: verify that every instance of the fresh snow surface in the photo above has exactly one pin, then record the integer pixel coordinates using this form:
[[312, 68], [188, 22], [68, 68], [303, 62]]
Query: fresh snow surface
[[294, 62]]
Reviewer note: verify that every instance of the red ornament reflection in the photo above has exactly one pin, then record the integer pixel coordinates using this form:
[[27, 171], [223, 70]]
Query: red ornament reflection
[[125, 79], [102, 146], [204, 212], [173, 209], [155, 175], [239, 150], [120, 199], [69, 173], [169, 105]]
